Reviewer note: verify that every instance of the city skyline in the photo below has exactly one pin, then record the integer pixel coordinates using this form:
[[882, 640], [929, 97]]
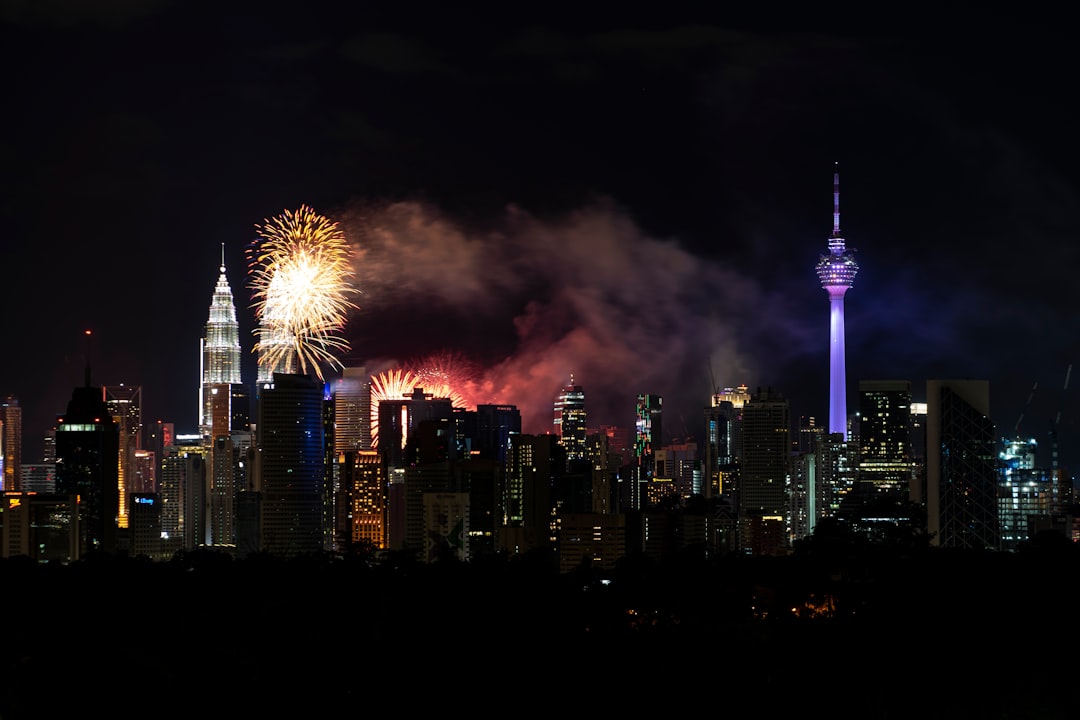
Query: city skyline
[[635, 201]]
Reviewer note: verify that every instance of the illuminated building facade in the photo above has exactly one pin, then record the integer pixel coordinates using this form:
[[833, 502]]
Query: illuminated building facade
[[224, 414], [723, 427], [1029, 498], [836, 473], [570, 421], [219, 356], [125, 406], [885, 454], [10, 445], [182, 493], [352, 410], [837, 271], [532, 463], [648, 438], [961, 472], [360, 500]]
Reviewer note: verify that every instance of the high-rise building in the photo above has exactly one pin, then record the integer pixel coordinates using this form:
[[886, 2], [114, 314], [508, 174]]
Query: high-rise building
[[885, 461], [648, 438], [290, 465], [570, 421], [837, 270], [88, 459], [763, 472], [532, 464], [224, 411], [961, 471], [181, 490], [219, 349], [125, 406], [723, 425], [352, 410], [10, 445], [1028, 496], [836, 473], [360, 517], [487, 429], [399, 418]]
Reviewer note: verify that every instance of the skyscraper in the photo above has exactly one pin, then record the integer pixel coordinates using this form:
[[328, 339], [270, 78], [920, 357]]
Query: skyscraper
[[219, 348], [648, 438], [291, 465], [125, 406], [352, 410], [766, 452], [10, 445], [88, 453], [961, 471], [837, 270], [570, 422], [885, 463]]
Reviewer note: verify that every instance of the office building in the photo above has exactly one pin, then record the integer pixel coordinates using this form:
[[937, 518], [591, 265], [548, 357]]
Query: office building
[[88, 460], [885, 454], [961, 466], [763, 473], [290, 464], [352, 410]]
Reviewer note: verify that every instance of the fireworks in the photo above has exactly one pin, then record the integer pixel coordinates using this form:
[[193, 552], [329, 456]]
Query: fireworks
[[299, 271], [439, 377]]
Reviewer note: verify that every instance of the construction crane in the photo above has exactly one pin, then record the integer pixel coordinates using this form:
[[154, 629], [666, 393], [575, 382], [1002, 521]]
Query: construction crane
[[1057, 421], [1016, 429]]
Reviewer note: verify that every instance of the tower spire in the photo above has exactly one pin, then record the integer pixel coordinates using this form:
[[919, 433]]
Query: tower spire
[[222, 257], [836, 200], [87, 333]]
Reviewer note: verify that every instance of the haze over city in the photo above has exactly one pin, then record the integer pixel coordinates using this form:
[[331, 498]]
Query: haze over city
[[639, 201]]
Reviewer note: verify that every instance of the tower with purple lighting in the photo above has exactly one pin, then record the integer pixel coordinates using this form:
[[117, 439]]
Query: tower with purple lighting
[[837, 270]]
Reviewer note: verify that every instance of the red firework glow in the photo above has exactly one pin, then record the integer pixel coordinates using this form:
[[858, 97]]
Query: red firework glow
[[440, 376]]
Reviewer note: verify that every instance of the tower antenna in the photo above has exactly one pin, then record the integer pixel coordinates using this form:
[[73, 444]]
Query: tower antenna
[[836, 201], [87, 333]]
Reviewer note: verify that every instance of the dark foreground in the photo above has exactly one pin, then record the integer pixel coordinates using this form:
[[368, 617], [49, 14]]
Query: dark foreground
[[935, 635]]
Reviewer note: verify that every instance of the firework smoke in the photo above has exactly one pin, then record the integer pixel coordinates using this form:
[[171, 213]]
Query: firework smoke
[[299, 276], [532, 302]]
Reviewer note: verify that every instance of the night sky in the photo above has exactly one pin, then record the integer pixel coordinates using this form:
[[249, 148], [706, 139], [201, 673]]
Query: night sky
[[635, 199]]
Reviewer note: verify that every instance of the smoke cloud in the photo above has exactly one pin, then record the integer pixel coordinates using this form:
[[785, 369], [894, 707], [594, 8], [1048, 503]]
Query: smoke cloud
[[530, 302]]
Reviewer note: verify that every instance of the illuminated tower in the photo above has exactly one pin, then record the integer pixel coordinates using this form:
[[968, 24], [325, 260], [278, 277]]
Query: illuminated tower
[[219, 349], [10, 445], [125, 405], [570, 422], [836, 271]]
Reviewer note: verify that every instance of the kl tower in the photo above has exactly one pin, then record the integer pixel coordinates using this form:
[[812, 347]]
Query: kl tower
[[837, 272]]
